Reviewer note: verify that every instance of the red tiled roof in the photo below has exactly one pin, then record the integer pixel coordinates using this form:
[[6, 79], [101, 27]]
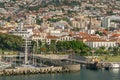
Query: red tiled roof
[[115, 35], [52, 37]]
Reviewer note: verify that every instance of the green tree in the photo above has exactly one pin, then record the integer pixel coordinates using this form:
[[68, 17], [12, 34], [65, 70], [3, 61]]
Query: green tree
[[34, 8], [43, 48], [34, 47], [110, 50], [38, 21], [59, 46], [39, 46], [2, 5], [9, 18], [75, 46], [53, 46], [101, 50], [116, 50], [99, 33], [10, 42]]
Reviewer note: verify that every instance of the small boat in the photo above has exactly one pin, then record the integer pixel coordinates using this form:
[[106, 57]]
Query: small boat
[[114, 66]]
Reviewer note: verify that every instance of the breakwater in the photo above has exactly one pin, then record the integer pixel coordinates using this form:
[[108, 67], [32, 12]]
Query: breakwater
[[24, 71], [37, 70]]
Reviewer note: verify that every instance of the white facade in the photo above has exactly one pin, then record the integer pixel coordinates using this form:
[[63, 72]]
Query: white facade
[[48, 39], [3, 11], [55, 33], [96, 44], [31, 19], [66, 38], [41, 37], [113, 25], [106, 22], [91, 31], [24, 33]]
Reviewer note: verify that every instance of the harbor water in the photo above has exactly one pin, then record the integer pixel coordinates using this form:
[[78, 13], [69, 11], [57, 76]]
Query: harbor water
[[83, 74]]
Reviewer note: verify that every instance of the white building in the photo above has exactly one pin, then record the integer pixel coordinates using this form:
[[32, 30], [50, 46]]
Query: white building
[[20, 31], [3, 11], [94, 41], [55, 33], [100, 43], [105, 22], [31, 19], [91, 31], [66, 38], [44, 38], [114, 25], [41, 37]]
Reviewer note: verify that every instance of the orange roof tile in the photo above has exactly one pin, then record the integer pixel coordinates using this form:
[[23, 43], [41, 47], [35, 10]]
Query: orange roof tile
[[115, 35], [52, 37]]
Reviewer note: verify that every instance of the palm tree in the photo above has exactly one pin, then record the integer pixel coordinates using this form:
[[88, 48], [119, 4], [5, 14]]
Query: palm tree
[[93, 51], [34, 46], [53, 46], [43, 48], [34, 50], [39, 46], [110, 49]]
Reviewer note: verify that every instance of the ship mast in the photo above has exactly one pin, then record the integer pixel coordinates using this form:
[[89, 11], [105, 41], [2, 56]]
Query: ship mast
[[26, 51]]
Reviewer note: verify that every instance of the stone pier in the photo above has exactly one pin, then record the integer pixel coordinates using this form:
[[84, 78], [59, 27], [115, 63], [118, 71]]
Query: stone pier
[[40, 70], [19, 71]]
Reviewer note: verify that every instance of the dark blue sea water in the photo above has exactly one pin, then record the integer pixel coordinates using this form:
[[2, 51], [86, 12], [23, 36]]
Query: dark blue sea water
[[84, 74]]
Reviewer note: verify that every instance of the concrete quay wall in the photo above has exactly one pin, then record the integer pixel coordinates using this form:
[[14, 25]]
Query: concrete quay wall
[[74, 67]]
